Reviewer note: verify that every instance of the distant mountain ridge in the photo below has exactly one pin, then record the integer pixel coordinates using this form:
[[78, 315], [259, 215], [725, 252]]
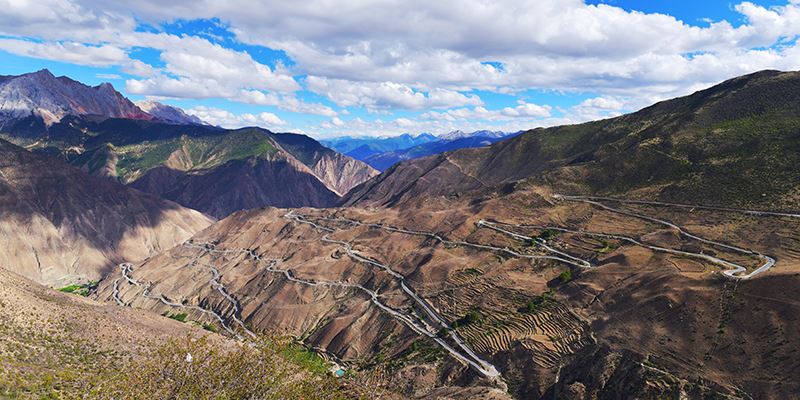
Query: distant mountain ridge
[[40, 95], [361, 147], [168, 114], [734, 144], [450, 141], [40, 99], [459, 134], [162, 150], [214, 170]]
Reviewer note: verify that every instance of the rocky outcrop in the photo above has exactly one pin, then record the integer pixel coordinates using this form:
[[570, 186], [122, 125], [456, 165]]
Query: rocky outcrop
[[342, 173]]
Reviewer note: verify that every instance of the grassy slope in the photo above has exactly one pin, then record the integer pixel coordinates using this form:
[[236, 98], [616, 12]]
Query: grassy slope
[[737, 143], [62, 346], [203, 150]]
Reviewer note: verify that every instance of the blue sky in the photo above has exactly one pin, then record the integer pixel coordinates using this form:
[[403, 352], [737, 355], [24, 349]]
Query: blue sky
[[386, 68]]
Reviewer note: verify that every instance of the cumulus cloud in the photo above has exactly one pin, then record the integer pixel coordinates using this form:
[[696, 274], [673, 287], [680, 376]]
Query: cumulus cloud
[[285, 102], [522, 110], [197, 68], [227, 119], [563, 44], [415, 55], [72, 52], [384, 95]]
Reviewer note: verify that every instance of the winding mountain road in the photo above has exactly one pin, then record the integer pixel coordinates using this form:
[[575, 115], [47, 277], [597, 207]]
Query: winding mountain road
[[126, 269], [474, 360], [758, 213], [540, 242], [505, 250], [734, 271]]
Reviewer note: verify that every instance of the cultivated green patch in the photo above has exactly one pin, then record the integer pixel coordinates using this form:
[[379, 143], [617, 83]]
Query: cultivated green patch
[[83, 289]]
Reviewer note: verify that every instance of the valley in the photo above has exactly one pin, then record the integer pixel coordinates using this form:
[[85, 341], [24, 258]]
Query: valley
[[648, 255], [428, 276]]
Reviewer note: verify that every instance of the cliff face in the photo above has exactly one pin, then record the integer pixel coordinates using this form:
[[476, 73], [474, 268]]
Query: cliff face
[[342, 173], [339, 172]]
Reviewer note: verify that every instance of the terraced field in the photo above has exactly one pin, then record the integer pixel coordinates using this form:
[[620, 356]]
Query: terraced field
[[551, 333], [356, 284]]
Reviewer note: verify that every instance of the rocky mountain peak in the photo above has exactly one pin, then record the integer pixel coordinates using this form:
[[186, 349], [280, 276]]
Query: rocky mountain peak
[[169, 114], [42, 95]]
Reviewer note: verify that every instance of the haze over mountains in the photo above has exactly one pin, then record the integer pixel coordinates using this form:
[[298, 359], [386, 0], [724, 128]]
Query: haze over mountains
[[382, 153]]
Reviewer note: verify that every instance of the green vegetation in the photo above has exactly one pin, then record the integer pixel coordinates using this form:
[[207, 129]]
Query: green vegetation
[[547, 234], [421, 351], [302, 356], [200, 152], [606, 247], [209, 327], [177, 317], [472, 272], [83, 289], [197, 369], [187, 368], [565, 276], [472, 317], [143, 156], [537, 302]]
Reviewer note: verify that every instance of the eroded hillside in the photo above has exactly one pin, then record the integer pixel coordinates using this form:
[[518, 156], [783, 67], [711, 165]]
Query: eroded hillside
[[504, 292]]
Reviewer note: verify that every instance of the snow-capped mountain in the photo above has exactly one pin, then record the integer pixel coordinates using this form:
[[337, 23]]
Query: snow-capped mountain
[[42, 95], [459, 134], [168, 114]]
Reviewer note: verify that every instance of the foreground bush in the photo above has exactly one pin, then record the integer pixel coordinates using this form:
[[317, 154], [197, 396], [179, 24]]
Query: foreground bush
[[199, 368], [195, 369]]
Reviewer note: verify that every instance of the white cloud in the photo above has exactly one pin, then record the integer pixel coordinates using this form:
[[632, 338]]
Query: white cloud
[[76, 53], [62, 20], [563, 44], [108, 76], [523, 110], [227, 119], [384, 95], [413, 55], [197, 68], [284, 102]]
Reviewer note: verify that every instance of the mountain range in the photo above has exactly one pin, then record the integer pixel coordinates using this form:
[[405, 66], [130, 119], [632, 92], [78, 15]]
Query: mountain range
[[33, 101], [360, 147], [690, 149], [169, 114], [651, 255], [382, 153], [633, 256], [162, 150]]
